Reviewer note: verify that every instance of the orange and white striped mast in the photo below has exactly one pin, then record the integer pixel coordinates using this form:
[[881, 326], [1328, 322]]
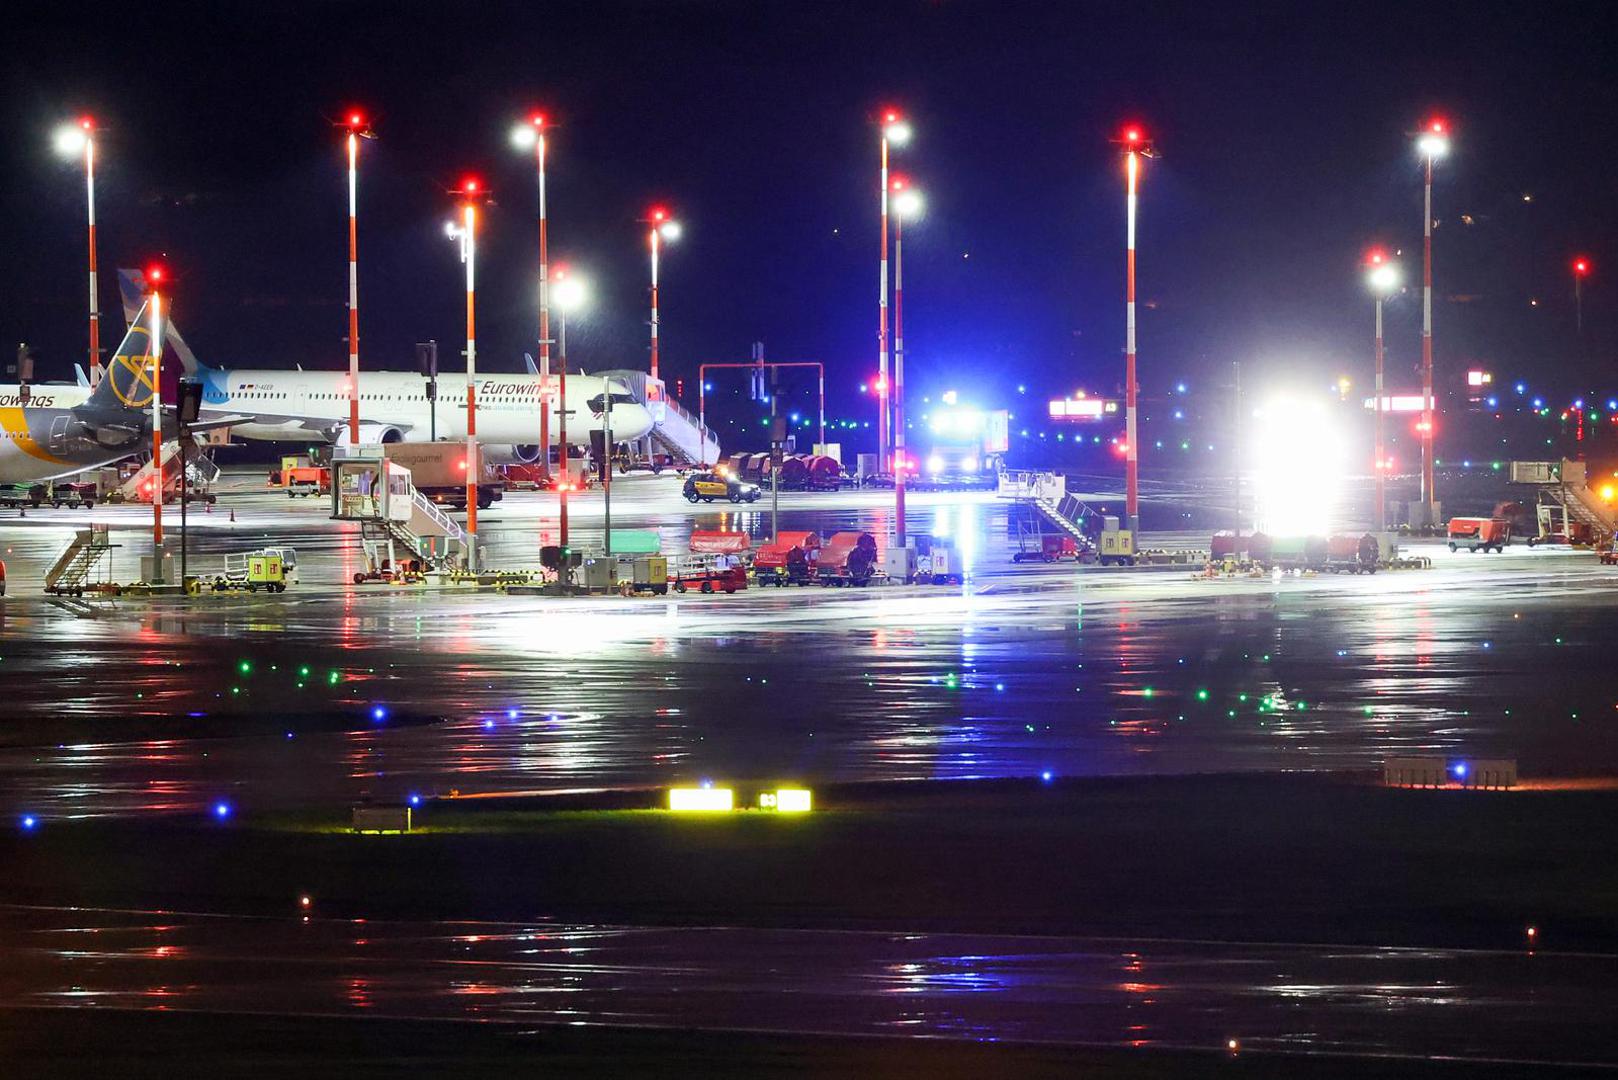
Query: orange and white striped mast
[[1135, 147], [662, 228], [357, 130], [74, 140], [532, 133], [467, 234], [154, 278]]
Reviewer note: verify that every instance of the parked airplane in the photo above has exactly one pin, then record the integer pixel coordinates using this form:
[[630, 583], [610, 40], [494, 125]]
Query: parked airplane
[[61, 430], [302, 405]]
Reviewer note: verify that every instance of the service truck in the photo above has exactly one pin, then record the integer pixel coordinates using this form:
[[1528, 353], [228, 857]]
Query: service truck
[[438, 469]]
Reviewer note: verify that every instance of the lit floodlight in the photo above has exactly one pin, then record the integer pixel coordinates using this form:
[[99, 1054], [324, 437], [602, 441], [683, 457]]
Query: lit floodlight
[[1298, 459], [896, 131], [1433, 141], [670, 230], [701, 800], [570, 293], [908, 203], [935, 464], [524, 136], [1383, 278], [70, 139]]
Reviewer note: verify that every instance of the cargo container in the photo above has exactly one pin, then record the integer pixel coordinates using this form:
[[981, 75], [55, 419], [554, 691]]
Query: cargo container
[[1479, 534]]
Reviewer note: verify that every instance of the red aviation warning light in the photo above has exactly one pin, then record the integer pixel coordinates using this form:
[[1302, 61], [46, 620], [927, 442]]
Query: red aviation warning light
[[1581, 266], [1433, 139]]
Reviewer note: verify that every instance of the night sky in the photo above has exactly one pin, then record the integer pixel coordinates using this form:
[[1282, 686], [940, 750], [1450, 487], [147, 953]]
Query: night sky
[[1283, 129]]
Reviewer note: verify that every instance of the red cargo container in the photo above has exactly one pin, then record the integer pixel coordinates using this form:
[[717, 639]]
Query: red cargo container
[[1479, 534], [794, 473], [848, 558], [788, 561], [825, 474], [718, 542]]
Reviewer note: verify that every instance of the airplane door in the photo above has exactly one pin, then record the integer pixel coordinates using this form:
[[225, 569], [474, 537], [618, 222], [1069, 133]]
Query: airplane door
[[59, 435]]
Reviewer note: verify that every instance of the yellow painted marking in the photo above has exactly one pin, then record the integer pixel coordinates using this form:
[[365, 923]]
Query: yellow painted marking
[[15, 423], [142, 367]]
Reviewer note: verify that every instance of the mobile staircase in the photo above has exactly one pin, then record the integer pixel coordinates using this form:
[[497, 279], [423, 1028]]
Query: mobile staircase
[[393, 516], [199, 465], [1564, 485], [77, 564], [675, 432], [1047, 494]]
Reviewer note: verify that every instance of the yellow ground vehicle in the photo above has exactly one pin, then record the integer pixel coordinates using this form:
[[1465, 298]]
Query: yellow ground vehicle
[[1117, 547], [254, 571], [707, 486]]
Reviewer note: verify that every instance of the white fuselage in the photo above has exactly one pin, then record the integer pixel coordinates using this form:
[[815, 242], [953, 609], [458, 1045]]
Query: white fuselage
[[293, 405], [33, 446]]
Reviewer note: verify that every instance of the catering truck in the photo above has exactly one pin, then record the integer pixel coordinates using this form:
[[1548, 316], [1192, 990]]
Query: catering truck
[[438, 470]]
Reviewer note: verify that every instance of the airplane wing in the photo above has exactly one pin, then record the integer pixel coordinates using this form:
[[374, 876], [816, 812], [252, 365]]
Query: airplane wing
[[213, 423]]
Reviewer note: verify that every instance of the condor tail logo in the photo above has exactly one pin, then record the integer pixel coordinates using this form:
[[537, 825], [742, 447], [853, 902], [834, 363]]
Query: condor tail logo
[[131, 378]]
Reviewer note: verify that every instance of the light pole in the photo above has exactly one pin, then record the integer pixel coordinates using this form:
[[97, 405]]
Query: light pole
[[1581, 270], [663, 228], [895, 132], [466, 233], [1136, 146], [1433, 143], [564, 570], [154, 280], [572, 297], [907, 203], [1383, 278], [354, 123], [73, 140], [524, 136]]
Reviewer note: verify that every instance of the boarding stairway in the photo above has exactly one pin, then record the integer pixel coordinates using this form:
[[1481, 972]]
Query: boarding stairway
[[1046, 493], [427, 535], [198, 464], [675, 431], [1564, 484], [77, 563], [392, 514]]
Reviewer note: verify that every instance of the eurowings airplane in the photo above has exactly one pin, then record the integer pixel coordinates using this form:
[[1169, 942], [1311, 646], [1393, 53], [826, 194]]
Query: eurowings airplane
[[67, 429], [303, 405]]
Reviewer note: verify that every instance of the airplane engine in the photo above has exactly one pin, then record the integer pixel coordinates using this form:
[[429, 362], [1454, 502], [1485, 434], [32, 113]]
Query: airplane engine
[[372, 434], [507, 453]]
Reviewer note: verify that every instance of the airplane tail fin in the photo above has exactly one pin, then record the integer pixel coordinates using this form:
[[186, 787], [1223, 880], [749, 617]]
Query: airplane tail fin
[[132, 287], [533, 368], [129, 381], [79, 376]]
